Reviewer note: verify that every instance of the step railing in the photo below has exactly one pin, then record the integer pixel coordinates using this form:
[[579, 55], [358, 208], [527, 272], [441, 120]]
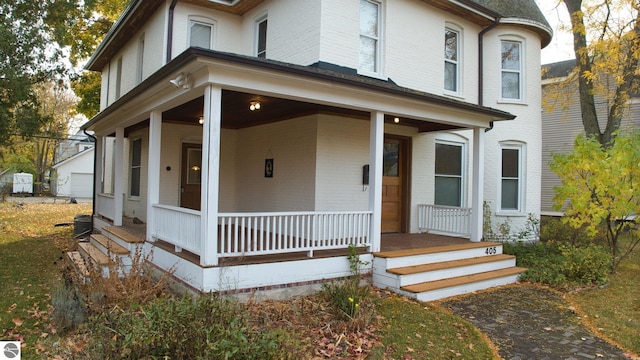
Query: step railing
[[448, 220]]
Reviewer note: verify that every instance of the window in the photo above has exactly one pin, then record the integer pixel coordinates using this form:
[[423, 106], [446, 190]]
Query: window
[[118, 78], [369, 36], [511, 184], [108, 164], [448, 174], [451, 60], [140, 68], [261, 37], [201, 33], [136, 162], [511, 70]]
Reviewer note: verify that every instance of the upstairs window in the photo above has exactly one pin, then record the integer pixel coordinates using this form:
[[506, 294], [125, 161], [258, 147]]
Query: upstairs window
[[136, 165], [449, 174], [369, 36], [451, 60], [261, 37], [201, 33], [511, 70], [512, 179], [119, 78], [140, 67]]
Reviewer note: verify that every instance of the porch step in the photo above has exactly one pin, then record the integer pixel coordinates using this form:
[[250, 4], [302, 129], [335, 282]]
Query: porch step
[[107, 245], [97, 256], [434, 290], [123, 234], [438, 272], [78, 263]]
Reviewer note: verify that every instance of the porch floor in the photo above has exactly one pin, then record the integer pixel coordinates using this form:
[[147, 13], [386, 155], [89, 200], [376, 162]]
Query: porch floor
[[389, 242]]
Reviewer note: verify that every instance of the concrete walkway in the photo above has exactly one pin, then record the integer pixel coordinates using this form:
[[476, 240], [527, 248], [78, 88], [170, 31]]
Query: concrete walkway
[[530, 322]]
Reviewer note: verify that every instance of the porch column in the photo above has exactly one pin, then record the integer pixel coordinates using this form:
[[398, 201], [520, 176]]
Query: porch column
[[376, 144], [210, 175], [98, 174], [118, 182], [477, 189], [153, 179]]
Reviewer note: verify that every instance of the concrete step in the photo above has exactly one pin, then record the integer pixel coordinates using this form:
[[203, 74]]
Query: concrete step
[[435, 290]]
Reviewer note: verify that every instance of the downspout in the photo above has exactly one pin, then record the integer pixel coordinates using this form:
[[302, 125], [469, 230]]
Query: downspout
[[95, 165], [172, 8], [496, 22]]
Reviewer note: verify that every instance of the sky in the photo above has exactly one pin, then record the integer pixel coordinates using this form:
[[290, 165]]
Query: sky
[[561, 46]]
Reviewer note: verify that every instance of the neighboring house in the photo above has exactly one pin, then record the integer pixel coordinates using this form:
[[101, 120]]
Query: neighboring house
[[73, 177], [73, 145], [258, 139], [562, 124], [6, 179]]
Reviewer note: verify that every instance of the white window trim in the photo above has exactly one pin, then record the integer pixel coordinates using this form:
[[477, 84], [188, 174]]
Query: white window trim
[[522, 166], [378, 73], [458, 140], [258, 20], [202, 21], [118, 85], [523, 79], [459, 68], [140, 67]]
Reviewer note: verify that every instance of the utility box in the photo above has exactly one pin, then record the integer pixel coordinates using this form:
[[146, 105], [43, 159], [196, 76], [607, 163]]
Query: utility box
[[22, 183]]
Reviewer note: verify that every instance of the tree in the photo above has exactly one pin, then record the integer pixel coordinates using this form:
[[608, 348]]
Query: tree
[[606, 43], [81, 25], [25, 60], [602, 186]]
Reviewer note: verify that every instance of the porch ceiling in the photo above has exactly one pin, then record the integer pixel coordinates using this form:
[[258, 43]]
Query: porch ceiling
[[236, 113]]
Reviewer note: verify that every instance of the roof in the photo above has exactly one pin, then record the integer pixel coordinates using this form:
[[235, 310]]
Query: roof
[[317, 72], [558, 69], [72, 158]]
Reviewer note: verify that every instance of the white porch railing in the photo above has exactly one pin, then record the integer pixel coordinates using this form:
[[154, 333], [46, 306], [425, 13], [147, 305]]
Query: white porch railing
[[445, 219], [273, 233], [178, 226], [244, 234], [105, 205]]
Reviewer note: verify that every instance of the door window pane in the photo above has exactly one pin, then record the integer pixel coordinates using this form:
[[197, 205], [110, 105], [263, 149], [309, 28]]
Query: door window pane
[[136, 162], [390, 159], [194, 163]]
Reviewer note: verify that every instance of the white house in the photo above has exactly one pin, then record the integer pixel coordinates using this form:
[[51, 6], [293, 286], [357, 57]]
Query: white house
[[257, 139]]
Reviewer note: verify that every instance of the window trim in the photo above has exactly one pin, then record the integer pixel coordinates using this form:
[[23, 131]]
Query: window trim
[[201, 20], [463, 144], [262, 18], [377, 73], [118, 85], [521, 42], [140, 67], [132, 166], [459, 51], [522, 156]]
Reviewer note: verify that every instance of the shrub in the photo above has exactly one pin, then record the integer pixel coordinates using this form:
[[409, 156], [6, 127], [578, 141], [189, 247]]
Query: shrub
[[208, 327], [561, 265], [69, 308]]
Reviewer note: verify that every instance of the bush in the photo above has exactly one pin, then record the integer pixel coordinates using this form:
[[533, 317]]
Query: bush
[[561, 265], [69, 308], [208, 327]]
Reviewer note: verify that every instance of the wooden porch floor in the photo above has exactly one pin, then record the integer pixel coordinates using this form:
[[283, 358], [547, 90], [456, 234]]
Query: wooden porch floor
[[389, 242]]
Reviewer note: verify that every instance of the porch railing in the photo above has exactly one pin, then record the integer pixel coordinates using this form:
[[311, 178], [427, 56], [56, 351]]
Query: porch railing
[[274, 233], [105, 205], [244, 234], [178, 226], [445, 219]]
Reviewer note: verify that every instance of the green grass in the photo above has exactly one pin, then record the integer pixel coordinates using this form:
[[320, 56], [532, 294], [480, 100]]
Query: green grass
[[30, 270], [414, 330], [614, 310]]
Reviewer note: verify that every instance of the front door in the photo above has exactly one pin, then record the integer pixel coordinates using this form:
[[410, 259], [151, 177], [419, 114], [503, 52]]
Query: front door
[[393, 193], [191, 174]]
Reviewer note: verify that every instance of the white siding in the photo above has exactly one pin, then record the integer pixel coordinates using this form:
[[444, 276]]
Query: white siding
[[66, 184]]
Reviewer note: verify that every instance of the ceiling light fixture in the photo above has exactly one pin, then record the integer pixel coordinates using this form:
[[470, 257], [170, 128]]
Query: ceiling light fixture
[[255, 105], [201, 120], [396, 120]]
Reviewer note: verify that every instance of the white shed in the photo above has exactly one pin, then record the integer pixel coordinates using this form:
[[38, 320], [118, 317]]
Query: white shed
[[74, 176], [22, 183]]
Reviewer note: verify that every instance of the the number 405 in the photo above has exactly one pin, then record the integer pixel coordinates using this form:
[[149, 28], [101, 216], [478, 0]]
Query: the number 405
[[491, 250]]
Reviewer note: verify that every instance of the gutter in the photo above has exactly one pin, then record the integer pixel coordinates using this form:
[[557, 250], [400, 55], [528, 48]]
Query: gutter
[[496, 22], [172, 8]]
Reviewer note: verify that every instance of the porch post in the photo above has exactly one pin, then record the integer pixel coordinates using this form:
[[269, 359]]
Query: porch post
[[376, 143], [99, 169], [210, 175], [118, 182], [477, 191], [153, 179]]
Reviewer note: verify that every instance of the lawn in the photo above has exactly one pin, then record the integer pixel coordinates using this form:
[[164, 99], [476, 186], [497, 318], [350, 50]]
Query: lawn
[[30, 247]]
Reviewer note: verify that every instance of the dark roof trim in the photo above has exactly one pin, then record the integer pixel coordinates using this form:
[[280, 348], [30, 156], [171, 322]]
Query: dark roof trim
[[360, 81]]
